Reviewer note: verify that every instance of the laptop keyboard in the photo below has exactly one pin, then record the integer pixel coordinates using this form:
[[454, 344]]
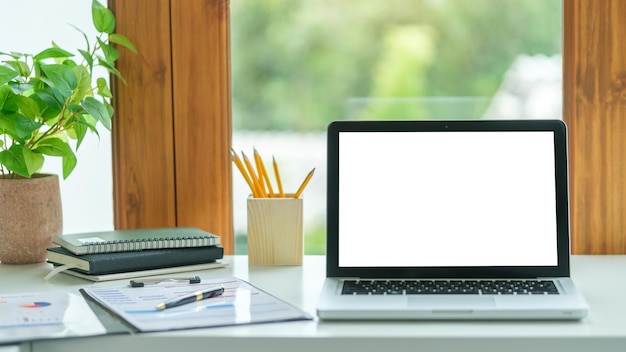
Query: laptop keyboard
[[468, 287]]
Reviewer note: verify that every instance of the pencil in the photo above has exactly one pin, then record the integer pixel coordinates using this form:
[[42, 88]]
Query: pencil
[[235, 158], [281, 194], [262, 173], [255, 180], [304, 183], [267, 180]]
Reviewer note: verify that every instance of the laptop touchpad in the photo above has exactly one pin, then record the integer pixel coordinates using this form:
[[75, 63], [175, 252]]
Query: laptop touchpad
[[451, 302]]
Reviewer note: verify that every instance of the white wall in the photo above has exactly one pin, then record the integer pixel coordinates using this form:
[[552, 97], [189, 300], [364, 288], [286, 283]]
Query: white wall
[[30, 26]]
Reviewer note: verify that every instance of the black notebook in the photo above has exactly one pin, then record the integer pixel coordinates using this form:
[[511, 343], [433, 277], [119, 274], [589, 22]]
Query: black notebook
[[136, 240], [119, 262]]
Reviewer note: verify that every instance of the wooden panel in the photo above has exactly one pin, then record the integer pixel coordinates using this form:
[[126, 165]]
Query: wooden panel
[[172, 131], [143, 143], [595, 109], [202, 123]]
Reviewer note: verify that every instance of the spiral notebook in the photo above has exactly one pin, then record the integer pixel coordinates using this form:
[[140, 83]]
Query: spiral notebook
[[136, 240]]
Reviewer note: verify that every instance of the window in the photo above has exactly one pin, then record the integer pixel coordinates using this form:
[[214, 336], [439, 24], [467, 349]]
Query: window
[[299, 64]]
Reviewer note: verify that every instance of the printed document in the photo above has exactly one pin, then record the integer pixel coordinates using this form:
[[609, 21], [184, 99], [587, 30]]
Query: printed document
[[241, 303], [46, 315]]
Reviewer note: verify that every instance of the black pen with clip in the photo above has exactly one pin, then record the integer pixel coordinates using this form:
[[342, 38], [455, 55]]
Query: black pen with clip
[[196, 296]]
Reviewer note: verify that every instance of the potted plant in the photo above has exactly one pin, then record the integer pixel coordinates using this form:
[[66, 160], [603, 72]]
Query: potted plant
[[49, 102]]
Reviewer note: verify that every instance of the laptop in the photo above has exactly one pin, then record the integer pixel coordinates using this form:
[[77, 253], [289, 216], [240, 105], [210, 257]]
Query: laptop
[[448, 220]]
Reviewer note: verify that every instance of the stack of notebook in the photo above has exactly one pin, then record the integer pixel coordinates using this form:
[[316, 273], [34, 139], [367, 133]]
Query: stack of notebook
[[99, 255]]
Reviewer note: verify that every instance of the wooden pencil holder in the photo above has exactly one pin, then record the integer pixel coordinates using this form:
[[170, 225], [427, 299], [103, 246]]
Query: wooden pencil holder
[[275, 231]]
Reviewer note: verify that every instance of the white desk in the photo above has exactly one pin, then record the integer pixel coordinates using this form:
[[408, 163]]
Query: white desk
[[603, 330]]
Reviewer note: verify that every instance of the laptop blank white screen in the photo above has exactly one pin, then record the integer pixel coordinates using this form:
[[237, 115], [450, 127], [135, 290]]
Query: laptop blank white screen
[[440, 199]]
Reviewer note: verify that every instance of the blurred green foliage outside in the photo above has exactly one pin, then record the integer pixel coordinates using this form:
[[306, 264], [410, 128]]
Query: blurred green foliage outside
[[297, 64]]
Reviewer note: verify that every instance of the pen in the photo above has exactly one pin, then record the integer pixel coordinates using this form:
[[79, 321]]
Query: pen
[[306, 180], [196, 296], [144, 282]]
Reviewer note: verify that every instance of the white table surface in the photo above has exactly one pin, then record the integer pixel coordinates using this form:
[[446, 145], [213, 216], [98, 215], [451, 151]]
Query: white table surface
[[602, 279]]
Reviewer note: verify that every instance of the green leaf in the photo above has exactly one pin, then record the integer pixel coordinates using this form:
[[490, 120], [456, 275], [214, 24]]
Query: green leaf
[[21, 160], [48, 83], [7, 74], [110, 53], [109, 66], [69, 163], [88, 58], [20, 67], [84, 35], [12, 54], [49, 105], [34, 161], [18, 127], [57, 147], [52, 53], [78, 131], [84, 84], [75, 108], [27, 106], [7, 103], [123, 41], [62, 78], [103, 88], [98, 111], [7, 125], [89, 122], [103, 18], [110, 109], [69, 63], [14, 162], [26, 127], [20, 88], [53, 147]]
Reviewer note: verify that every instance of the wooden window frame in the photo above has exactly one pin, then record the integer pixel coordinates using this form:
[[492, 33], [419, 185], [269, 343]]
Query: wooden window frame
[[594, 108], [172, 131]]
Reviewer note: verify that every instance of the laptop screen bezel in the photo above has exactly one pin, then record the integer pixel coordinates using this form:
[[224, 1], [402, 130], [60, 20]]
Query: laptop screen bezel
[[559, 129]]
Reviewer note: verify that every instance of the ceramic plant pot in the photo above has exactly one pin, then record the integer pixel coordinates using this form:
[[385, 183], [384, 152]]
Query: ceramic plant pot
[[30, 217]]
